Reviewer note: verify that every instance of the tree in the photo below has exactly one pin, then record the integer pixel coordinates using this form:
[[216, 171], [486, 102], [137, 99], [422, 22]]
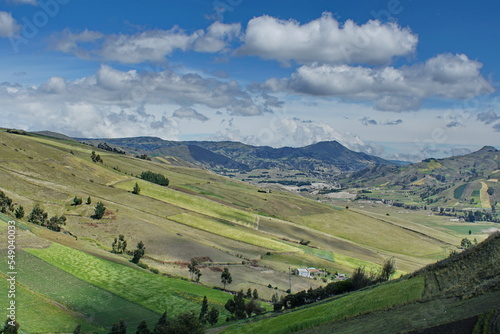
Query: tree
[[194, 271], [143, 328], [236, 306], [96, 157], [99, 210], [249, 294], [466, 243], [11, 327], [78, 329], [139, 252], [19, 213], [388, 269], [55, 223], [253, 307], [204, 310], [77, 201], [225, 277], [213, 316], [255, 294], [161, 326], [136, 189], [37, 215], [89, 201]]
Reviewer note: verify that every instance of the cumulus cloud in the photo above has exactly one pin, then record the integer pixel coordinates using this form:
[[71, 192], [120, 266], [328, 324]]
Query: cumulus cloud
[[392, 89], [488, 117], [113, 102], [8, 26], [293, 132], [150, 45], [325, 40], [189, 113], [69, 42]]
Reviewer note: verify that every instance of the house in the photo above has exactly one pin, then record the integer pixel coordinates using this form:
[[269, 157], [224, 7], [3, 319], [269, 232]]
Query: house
[[302, 272]]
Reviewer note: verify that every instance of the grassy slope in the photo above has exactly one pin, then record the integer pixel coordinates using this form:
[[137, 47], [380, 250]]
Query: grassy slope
[[376, 298], [459, 287], [37, 169], [155, 292]]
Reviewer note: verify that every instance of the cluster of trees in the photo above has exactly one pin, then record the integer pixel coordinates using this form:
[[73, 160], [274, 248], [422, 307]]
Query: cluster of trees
[[6, 205], [40, 217], [143, 157], [241, 308], [10, 327], [78, 201], [105, 146], [477, 215], [359, 279], [184, 323], [96, 157], [119, 245], [155, 178]]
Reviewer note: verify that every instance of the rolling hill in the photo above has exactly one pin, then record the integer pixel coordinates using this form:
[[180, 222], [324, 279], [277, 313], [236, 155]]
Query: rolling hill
[[219, 221], [468, 181], [323, 156]]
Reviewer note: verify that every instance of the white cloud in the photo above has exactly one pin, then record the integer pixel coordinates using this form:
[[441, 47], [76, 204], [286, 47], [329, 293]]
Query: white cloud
[[392, 89], [68, 42], [189, 113], [113, 102], [325, 40], [151, 45], [8, 26], [292, 132]]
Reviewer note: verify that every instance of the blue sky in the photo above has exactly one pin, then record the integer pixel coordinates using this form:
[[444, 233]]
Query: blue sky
[[401, 79]]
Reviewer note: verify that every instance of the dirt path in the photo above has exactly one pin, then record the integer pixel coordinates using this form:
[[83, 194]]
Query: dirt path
[[483, 195]]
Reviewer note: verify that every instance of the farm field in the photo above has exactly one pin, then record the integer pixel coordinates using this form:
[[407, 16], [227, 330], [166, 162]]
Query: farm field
[[155, 292]]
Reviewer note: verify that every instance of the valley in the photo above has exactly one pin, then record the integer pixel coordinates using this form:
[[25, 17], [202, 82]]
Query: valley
[[261, 231]]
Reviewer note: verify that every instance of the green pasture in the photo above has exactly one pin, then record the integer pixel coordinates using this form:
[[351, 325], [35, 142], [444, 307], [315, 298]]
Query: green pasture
[[232, 232], [192, 203], [371, 299], [155, 292]]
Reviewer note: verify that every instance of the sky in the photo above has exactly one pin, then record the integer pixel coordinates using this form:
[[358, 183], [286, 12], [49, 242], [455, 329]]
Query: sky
[[401, 79]]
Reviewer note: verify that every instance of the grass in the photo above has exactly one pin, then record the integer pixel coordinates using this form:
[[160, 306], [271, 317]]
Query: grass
[[376, 298], [155, 292], [457, 193], [36, 313], [232, 232], [96, 307], [192, 203]]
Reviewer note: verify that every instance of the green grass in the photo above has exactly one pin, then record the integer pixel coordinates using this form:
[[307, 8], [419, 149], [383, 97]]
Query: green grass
[[457, 193], [192, 203], [36, 313], [360, 302], [233, 232], [93, 304], [155, 292]]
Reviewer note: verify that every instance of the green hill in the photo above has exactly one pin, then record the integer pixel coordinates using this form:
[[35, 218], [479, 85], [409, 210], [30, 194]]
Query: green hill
[[465, 286], [219, 221]]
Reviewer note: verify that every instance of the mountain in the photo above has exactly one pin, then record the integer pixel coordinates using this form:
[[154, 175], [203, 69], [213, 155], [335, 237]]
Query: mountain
[[323, 156], [467, 180]]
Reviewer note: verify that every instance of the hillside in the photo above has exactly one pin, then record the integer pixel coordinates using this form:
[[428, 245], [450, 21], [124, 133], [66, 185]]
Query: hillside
[[330, 157], [454, 295], [218, 221], [468, 181]]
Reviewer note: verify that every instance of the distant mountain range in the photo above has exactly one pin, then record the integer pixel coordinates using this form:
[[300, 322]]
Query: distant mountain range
[[323, 156]]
